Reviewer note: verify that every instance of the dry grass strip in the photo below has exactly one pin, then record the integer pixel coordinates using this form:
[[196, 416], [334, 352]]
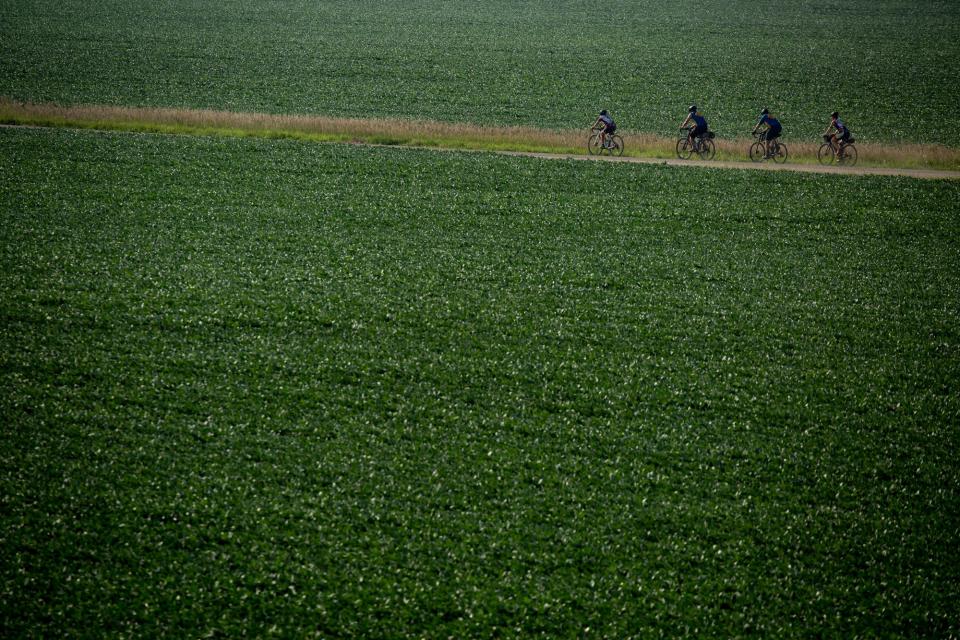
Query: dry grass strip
[[425, 133]]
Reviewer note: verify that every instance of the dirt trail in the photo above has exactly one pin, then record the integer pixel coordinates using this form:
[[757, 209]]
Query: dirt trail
[[926, 174]]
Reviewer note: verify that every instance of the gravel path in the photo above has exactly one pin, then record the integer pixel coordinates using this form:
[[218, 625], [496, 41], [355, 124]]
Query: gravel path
[[926, 174]]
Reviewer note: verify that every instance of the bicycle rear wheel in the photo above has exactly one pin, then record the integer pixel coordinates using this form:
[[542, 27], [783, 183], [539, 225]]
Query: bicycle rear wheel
[[616, 146], [780, 153], [684, 148], [757, 151], [825, 154], [848, 155], [707, 149]]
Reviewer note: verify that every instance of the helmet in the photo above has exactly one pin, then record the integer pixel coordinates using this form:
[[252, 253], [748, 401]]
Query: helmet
[[765, 112], [834, 115], [692, 108], [603, 112]]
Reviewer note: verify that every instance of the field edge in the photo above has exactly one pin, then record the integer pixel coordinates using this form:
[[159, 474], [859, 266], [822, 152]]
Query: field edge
[[430, 134]]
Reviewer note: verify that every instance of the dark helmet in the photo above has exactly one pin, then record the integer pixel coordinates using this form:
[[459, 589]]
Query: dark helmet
[[765, 112], [834, 115], [692, 108], [603, 112]]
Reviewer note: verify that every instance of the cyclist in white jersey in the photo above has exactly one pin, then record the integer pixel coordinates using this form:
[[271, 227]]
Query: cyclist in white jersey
[[839, 130]]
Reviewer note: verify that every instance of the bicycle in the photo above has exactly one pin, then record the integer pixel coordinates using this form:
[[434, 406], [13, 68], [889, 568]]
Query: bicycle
[[702, 145], [846, 154], [613, 145], [764, 150]]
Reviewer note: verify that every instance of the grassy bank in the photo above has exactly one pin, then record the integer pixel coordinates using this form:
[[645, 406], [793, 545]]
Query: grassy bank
[[422, 134]]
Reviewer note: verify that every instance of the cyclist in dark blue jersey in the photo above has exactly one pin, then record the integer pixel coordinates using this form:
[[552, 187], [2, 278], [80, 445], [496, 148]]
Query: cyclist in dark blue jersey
[[772, 131], [606, 125], [699, 124]]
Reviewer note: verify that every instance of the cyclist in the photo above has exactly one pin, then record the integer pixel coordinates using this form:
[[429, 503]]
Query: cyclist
[[771, 133], [700, 124], [606, 125], [840, 133]]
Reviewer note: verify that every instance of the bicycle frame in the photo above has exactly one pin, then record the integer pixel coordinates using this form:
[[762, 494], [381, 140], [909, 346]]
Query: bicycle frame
[[703, 145]]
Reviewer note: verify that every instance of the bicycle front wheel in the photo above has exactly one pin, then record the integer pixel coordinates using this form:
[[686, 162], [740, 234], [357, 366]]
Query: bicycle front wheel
[[593, 144], [684, 148], [825, 154], [848, 155], [780, 154], [707, 149], [757, 151]]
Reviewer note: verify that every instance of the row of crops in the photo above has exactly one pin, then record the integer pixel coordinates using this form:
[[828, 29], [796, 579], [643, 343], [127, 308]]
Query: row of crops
[[885, 65], [256, 386]]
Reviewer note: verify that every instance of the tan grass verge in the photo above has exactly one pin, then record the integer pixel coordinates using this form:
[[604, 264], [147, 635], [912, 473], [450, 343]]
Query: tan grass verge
[[424, 133], [907, 156], [386, 131]]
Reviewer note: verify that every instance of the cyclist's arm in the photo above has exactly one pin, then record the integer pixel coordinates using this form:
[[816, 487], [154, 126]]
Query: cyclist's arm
[[685, 122], [596, 125]]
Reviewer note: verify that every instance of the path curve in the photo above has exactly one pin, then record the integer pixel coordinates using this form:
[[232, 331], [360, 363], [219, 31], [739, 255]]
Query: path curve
[[926, 174]]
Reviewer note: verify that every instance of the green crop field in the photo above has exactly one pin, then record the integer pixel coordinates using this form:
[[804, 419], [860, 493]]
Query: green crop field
[[252, 387], [275, 387], [888, 66]]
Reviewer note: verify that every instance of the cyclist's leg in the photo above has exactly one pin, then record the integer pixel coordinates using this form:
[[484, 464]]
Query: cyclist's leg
[[842, 143], [772, 142], [695, 133]]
